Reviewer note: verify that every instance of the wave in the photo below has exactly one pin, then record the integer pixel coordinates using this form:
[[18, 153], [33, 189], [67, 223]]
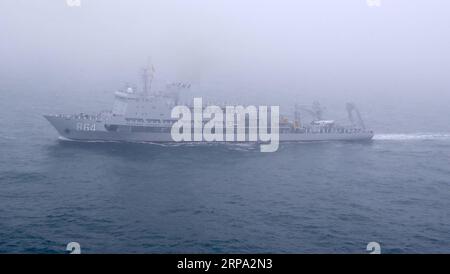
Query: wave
[[232, 146], [6, 137], [64, 139], [252, 146], [412, 136]]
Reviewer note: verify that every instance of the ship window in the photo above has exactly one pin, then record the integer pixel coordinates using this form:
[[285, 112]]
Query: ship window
[[67, 131]]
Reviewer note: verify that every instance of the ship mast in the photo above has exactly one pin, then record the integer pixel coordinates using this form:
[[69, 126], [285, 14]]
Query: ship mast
[[296, 116], [147, 78], [355, 121]]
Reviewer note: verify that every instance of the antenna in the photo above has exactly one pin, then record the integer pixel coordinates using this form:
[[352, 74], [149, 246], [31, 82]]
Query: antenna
[[316, 111], [355, 121], [296, 116], [147, 78]]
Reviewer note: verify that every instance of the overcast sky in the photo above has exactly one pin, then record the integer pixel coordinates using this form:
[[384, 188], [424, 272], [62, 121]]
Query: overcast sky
[[263, 49]]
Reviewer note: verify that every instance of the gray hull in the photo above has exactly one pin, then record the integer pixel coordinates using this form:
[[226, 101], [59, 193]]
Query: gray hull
[[95, 130]]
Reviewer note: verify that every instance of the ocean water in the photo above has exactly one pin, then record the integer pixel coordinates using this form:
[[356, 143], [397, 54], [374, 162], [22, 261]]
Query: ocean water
[[146, 198]]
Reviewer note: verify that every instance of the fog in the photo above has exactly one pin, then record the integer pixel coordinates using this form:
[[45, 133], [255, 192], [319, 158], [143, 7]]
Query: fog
[[252, 51]]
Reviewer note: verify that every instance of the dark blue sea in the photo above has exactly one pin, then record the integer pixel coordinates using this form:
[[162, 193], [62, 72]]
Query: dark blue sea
[[324, 197]]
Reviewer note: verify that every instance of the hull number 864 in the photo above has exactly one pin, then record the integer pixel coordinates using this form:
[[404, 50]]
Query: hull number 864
[[85, 127]]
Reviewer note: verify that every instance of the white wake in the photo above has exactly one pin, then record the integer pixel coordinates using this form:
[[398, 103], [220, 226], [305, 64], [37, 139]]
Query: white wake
[[412, 136]]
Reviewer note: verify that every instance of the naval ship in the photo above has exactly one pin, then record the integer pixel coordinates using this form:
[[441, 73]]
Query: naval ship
[[144, 116]]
